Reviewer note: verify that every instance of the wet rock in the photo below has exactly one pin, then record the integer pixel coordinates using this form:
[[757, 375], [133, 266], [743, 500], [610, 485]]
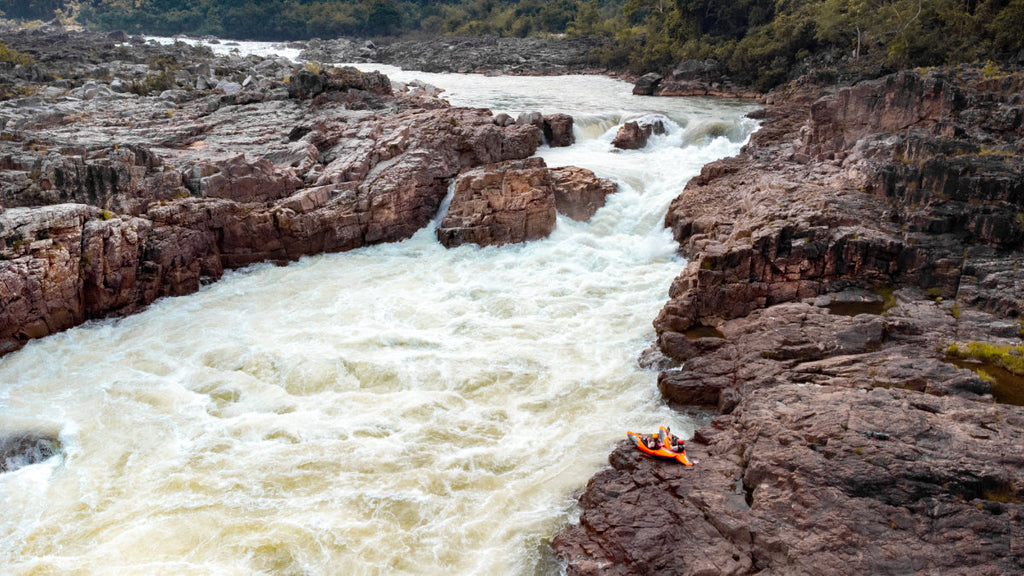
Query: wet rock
[[578, 193], [500, 204], [516, 201], [90, 229], [22, 450], [631, 136], [558, 130], [634, 134], [504, 120], [531, 118], [647, 84], [875, 473]]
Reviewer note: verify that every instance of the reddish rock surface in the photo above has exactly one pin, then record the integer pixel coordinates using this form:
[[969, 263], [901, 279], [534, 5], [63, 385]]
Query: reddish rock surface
[[631, 136], [832, 262], [578, 193], [516, 201], [558, 130], [216, 180], [500, 204]]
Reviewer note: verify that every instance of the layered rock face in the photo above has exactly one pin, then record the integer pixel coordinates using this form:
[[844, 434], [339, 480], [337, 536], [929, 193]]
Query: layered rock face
[[516, 201], [838, 200], [114, 200], [831, 263]]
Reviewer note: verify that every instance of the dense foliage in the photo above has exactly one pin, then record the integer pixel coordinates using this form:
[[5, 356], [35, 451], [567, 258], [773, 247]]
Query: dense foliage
[[756, 41]]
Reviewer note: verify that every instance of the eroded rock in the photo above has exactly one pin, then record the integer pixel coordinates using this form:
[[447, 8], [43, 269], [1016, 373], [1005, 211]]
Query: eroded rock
[[516, 201], [217, 181], [854, 239]]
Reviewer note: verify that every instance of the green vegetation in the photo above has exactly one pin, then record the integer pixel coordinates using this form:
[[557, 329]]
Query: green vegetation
[[760, 42], [1009, 358], [14, 57], [1001, 366]]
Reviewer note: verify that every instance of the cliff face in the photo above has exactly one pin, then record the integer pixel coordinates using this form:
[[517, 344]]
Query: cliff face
[[861, 232]]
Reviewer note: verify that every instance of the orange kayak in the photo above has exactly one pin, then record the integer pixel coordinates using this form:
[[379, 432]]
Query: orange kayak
[[663, 451]]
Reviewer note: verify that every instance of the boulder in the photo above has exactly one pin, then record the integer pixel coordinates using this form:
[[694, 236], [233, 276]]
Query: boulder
[[647, 84], [531, 118], [631, 136], [500, 204], [20, 450], [558, 130], [579, 193], [504, 120]]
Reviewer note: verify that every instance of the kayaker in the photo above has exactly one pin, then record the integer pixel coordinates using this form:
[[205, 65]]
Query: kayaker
[[677, 444]]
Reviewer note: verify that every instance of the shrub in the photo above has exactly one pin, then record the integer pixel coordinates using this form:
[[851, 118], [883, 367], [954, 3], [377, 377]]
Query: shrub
[[15, 57]]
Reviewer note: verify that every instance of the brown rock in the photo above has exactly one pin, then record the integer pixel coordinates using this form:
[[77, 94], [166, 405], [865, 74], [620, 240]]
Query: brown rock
[[254, 180], [838, 422], [222, 186], [558, 130], [578, 193], [892, 485], [631, 136], [500, 204]]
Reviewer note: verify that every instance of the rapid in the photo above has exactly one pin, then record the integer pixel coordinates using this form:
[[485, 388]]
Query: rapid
[[399, 409]]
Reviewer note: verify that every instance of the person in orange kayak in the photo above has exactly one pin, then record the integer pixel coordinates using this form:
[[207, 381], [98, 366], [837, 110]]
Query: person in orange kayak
[[653, 442]]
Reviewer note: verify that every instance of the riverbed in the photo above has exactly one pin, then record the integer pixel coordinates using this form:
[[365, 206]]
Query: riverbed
[[399, 409]]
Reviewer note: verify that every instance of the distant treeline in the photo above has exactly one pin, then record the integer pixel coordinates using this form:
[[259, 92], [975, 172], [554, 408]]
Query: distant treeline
[[757, 41]]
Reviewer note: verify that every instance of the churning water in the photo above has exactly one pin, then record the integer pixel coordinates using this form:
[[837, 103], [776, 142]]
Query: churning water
[[400, 409]]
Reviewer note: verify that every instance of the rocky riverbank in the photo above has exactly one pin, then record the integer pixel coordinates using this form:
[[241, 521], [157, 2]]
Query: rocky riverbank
[[134, 170], [833, 264], [487, 54], [861, 233]]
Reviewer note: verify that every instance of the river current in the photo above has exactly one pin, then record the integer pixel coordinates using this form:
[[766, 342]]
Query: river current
[[399, 409]]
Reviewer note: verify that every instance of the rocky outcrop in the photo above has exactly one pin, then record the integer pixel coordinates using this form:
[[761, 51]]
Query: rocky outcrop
[[218, 180], [506, 55], [832, 262], [516, 201], [558, 130], [634, 134], [773, 226], [20, 450], [578, 193], [800, 480], [500, 204], [693, 78], [307, 84], [647, 84]]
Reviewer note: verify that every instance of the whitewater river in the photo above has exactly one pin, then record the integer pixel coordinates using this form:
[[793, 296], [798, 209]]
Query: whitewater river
[[400, 409]]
